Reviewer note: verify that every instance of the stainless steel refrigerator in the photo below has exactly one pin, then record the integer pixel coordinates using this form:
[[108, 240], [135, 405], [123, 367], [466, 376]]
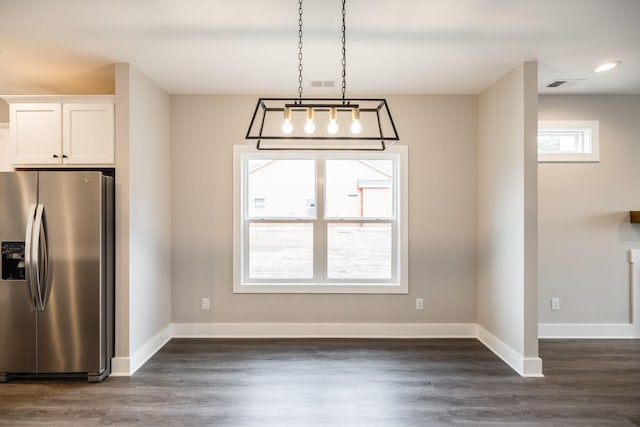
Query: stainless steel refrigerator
[[57, 282]]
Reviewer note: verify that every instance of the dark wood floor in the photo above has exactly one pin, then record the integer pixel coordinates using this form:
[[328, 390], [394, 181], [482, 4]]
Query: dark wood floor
[[344, 383]]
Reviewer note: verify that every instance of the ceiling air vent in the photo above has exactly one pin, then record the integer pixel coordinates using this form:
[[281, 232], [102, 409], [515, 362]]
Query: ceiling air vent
[[557, 83], [564, 83], [323, 83]]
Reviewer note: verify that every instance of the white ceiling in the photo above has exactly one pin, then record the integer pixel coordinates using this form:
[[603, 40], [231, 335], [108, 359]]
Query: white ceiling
[[250, 46]]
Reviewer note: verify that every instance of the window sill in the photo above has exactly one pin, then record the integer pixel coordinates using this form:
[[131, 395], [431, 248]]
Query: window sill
[[326, 288], [568, 158]]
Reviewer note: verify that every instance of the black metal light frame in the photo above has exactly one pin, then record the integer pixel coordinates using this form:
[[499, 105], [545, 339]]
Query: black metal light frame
[[263, 131], [386, 134]]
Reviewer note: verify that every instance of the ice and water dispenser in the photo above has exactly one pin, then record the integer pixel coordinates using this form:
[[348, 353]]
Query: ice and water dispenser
[[13, 261]]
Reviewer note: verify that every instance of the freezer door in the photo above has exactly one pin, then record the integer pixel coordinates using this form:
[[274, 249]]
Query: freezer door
[[71, 327], [18, 195]]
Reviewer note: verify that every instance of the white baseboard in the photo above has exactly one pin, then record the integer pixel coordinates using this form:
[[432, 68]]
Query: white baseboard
[[528, 367], [324, 330], [586, 330], [120, 367], [127, 366], [525, 366]]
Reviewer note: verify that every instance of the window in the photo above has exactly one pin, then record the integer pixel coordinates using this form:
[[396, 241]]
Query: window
[[568, 141], [335, 222]]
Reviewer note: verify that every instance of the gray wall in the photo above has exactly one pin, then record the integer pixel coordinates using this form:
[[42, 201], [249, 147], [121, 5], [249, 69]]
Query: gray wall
[[507, 199], [149, 210], [4, 111], [584, 214], [441, 134], [143, 203]]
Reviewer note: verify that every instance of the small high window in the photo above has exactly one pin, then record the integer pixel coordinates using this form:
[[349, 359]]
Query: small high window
[[568, 141]]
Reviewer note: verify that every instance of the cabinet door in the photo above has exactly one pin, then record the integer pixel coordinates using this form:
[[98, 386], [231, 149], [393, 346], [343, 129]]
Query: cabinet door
[[36, 133], [87, 134]]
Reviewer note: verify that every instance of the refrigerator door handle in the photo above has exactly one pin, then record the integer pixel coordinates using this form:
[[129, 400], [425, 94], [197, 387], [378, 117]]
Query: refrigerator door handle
[[28, 271], [40, 255]]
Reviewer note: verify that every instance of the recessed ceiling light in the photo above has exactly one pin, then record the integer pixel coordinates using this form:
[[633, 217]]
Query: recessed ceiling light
[[608, 66]]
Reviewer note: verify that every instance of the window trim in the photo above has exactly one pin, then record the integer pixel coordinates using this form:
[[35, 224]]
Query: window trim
[[400, 282], [574, 125]]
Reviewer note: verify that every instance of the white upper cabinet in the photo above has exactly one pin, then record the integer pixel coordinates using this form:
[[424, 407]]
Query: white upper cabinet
[[63, 131], [35, 133], [87, 133]]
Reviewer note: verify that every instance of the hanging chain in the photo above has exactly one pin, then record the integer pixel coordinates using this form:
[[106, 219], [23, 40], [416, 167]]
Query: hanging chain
[[344, 50], [300, 49]]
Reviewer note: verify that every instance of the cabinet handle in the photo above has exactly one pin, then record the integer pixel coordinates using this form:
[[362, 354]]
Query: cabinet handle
[[55, 156], [64, 156]]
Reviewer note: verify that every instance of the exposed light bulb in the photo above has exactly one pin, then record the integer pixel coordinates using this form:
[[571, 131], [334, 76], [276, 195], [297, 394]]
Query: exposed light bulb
[[310, 127], [356, 127], [333, 121], [287, 127], [332, 128], [608, 66]]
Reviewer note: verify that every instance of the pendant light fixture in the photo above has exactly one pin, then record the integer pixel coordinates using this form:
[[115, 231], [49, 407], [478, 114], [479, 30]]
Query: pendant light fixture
[[300, 123]]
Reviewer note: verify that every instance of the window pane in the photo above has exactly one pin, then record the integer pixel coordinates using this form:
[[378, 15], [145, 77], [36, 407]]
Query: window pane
[[564, 141], [280, 251], [359, 251], [284, 188], [359, 188]]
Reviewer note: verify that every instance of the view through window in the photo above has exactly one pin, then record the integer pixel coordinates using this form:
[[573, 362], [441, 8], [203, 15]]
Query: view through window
[[568, 141], [320, 222]]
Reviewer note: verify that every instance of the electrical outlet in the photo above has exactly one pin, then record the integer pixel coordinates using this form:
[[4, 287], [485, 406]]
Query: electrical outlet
[[555, 304], [419, 304], [205, 303]]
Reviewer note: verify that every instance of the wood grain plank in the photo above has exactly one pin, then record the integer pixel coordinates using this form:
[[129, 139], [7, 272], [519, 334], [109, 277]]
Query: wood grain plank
[[344, 382]]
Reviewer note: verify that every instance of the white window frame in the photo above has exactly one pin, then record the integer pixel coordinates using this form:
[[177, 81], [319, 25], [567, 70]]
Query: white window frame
[[399, 282], [589, 128]]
